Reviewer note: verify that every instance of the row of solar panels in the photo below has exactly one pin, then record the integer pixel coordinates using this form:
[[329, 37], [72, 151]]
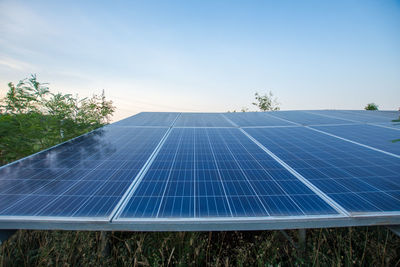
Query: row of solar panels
[[251, 119], [206, 172]]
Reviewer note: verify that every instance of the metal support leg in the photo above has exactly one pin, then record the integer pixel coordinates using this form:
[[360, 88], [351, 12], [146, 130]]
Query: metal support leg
[[5, 234], [301, 244], [302, 240], [289, 239], [105, 246], [395, 229]]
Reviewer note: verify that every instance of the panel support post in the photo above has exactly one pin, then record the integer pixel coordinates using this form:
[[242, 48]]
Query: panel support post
[[105, 246], [5, 234], [289, 239], [395, 229], [302, 240]]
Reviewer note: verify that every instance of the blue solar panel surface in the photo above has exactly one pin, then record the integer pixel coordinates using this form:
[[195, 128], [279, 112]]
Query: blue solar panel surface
[[202, 166], [306, 118], [149, 119], [358, 178], [82, 178], [360, 116], [248, 119], [202, 120], [219, 172], [372, 114], [378, 137]]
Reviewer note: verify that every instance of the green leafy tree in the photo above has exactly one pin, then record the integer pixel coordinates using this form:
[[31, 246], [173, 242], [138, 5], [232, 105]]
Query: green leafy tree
[[32, 118], [266, 102], [371, 106]]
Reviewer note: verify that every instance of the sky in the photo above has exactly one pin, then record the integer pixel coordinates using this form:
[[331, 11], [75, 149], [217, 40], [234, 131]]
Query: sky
[[207, 56]]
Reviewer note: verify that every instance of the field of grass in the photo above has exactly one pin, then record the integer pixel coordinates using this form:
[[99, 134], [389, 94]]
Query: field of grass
[[361, 246]]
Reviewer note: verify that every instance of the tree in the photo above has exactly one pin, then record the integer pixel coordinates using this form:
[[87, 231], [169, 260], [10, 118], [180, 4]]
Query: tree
[[371, 106], [32, 118], [266, 102]]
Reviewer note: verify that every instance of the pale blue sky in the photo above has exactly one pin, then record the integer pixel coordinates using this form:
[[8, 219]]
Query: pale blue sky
[[207, 55]]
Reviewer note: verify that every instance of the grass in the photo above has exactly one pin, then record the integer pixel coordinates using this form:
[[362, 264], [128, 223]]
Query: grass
[[362, 246]]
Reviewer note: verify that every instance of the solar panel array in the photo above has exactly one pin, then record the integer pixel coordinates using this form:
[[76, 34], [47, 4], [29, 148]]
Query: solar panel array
[[213, 171]]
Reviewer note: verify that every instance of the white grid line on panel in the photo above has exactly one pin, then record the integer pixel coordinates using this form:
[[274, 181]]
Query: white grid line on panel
[[231, 122], [219, 174], [384, 126], [47, 149], [234, 124], [355, 121], [266, 171], [331, 116], [315, 189], [51, 180], [364, 115], [354, 142], [244, 174], [76, 182], [282, 119], [169, 174], [132, 188]]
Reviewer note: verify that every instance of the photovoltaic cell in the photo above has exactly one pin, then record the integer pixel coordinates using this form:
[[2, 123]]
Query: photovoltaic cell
[[85, 177], [377, 137], [247, 119], [149, 119], [204, 172], [359, 179], [202, 120]]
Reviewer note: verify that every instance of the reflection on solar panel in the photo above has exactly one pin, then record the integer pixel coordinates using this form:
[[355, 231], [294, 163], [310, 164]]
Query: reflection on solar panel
[[212, 171], [83, 178], [149, 119]]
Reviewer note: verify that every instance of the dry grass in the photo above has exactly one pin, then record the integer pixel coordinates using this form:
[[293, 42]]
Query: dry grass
[[363, 246]]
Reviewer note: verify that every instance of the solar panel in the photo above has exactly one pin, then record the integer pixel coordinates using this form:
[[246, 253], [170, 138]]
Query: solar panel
[[371, 135], [248, 119], [218, 172], [202, 120], [149, 119], [375, 113], [357, 116], [212, 171], [85, 177], [360, 179], [306, 118]]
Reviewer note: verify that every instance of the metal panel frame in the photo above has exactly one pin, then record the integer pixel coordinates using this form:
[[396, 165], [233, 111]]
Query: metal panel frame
[[207, 224]]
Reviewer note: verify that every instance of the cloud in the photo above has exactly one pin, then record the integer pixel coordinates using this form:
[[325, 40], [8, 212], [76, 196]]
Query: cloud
[[16, 64], [21, 20]]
